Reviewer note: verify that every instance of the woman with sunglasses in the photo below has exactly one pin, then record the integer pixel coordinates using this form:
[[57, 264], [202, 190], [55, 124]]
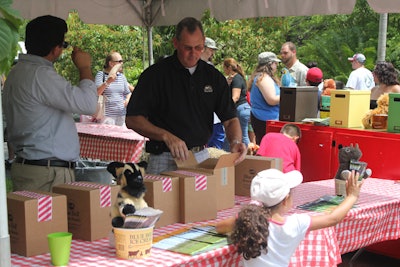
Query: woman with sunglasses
[[113, 86]]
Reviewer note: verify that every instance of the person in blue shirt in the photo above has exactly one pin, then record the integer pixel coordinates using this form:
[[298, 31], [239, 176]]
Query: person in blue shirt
[[265, 93]]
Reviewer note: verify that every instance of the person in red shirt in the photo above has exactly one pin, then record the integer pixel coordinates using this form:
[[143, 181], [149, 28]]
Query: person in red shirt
[[283, 145]]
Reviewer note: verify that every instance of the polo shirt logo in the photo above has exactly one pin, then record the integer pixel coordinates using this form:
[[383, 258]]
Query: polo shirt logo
[[208, 89]]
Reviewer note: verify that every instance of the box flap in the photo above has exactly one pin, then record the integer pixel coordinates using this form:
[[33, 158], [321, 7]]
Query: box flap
[[22, 197], [84, 186], [189, 162], [226, 160]]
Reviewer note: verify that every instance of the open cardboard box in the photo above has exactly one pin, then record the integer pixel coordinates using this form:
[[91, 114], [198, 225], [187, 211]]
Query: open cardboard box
[[223, 171]]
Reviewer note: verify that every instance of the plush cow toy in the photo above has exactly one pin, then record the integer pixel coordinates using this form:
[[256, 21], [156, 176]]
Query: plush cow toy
[[131, 196]]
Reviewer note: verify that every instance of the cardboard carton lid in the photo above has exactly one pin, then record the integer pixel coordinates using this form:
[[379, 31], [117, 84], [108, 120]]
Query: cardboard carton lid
[[22, 197], [226, 160], [84, 186]]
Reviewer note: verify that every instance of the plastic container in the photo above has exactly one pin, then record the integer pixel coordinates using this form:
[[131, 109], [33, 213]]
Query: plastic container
[[298, 103], [92, 171], [133, 243], [393, 124], [325, 102]]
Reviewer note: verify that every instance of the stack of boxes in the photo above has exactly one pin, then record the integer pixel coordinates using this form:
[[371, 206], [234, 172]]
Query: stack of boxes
[[194, 192]]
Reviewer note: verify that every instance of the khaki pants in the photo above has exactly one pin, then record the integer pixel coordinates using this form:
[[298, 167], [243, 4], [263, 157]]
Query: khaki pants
[[43, 178]]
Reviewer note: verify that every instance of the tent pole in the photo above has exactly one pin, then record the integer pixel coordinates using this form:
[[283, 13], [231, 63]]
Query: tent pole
[[383, 18], [150, 44], [5, 255]]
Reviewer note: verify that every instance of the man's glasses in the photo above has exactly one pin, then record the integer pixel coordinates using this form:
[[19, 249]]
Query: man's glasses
[[65, 45], [198, 48], [118, 61]]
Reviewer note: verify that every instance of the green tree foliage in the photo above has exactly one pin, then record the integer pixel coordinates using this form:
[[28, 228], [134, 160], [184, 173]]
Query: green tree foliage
[[99, 41], [328, 40], [10, 22]]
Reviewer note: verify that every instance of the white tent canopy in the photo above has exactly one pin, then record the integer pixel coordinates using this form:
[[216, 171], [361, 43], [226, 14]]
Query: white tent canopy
[[169, 12], [151, 13]]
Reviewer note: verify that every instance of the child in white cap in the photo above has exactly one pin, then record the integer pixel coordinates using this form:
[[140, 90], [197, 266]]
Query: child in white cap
[[261, 231]]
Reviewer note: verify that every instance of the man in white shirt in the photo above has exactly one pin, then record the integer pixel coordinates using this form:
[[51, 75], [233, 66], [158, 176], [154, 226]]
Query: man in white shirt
[[360, 78]]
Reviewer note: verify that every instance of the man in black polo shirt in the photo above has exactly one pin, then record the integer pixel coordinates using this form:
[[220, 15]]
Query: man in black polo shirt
[[174, 101]]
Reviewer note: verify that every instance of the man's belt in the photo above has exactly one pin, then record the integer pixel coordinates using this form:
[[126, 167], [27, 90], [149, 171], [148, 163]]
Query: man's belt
[[47, 162], [157, 148]]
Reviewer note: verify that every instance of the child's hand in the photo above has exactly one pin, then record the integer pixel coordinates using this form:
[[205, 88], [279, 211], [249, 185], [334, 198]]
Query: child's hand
[[353, 186]]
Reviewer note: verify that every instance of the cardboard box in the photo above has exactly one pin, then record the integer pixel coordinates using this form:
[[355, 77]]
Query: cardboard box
[[248, 168], [298, 103], [89, 208], [393, 125], [348, 107], [163, 193], [197, 196], [223, 169], [32, 215]]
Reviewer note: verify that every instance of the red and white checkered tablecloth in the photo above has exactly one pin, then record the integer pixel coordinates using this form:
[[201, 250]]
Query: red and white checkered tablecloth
[[375, 218], [109, 142], [379, 203]]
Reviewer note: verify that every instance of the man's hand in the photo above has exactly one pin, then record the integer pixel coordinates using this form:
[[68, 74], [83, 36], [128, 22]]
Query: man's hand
[[241, 148], [177, 147], [83, 62]]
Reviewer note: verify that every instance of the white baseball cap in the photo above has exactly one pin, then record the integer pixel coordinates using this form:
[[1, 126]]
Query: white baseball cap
[[357, 57], [210, 43], [271, 186]]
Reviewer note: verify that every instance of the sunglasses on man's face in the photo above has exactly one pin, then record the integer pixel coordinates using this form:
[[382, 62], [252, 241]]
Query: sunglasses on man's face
[[118, 61], [65, 45]]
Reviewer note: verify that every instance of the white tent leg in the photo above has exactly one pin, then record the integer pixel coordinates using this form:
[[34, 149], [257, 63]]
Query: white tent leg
[[5, 251]]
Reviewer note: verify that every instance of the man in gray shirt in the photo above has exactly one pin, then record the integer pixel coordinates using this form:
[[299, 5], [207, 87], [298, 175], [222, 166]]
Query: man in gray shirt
[[38, 104], [297, 70]]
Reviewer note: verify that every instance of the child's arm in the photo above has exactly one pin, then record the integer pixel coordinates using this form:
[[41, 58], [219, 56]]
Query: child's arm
[[334, 217], [225, 226]]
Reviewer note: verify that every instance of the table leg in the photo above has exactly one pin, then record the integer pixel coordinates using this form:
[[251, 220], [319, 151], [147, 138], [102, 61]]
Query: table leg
[[355, 256]]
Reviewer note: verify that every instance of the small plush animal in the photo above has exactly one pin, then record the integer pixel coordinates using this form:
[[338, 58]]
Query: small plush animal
[[382, 108], [329, 85], [131, 196], [347, 155]]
